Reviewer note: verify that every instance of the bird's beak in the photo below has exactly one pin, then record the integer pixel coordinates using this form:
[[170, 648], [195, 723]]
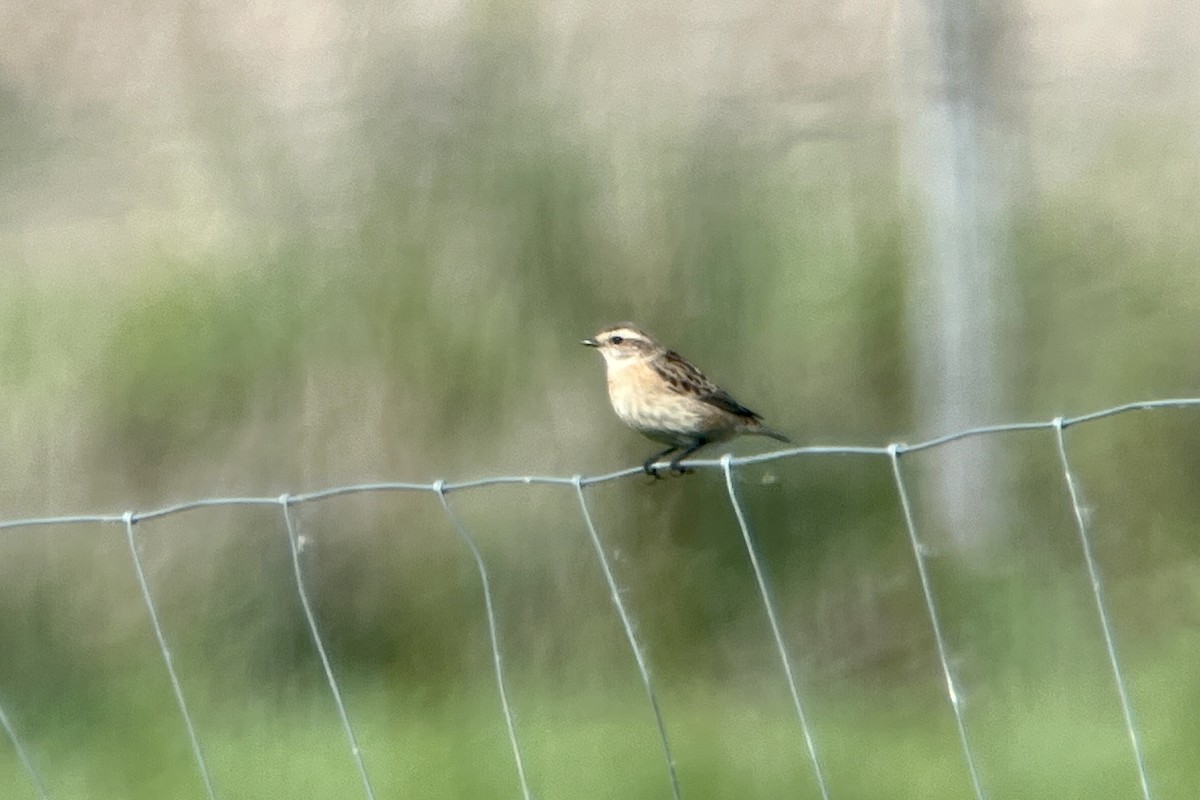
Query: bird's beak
[[590, 343]]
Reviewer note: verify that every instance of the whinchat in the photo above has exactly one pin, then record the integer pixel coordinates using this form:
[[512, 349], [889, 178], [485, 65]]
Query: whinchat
[[663, 396]]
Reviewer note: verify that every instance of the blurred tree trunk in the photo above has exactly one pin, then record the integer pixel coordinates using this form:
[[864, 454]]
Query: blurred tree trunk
[[962, 149]]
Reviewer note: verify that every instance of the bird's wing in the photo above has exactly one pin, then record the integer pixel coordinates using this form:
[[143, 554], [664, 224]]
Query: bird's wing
[[721, 399], [684, 378]]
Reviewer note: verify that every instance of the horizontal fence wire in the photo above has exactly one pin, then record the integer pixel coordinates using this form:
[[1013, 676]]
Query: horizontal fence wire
[[892, 451]]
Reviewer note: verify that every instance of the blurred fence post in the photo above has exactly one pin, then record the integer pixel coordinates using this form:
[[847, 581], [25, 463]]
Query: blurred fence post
[[960, 172]]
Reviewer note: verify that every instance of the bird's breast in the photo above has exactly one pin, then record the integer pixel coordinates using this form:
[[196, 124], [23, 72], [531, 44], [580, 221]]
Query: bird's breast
[[643, 401]]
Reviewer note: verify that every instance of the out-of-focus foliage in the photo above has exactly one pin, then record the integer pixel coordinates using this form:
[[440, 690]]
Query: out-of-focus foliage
[[276, 253]]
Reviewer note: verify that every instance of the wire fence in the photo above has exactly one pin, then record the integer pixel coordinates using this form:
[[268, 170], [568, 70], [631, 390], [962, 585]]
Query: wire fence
[[894, 452]]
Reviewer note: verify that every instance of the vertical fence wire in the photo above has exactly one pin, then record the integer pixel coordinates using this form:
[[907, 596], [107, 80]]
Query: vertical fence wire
[[493, 634], [1093, 570], [193, 739], [627, 624], [765, 593], [938, 637], [306, 605], [34, 779]]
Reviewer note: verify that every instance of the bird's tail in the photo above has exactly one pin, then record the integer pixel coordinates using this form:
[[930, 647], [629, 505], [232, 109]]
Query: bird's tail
[[762, 430]]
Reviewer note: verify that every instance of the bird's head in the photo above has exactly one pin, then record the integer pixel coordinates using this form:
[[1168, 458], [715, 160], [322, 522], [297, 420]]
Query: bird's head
[[624, 343]]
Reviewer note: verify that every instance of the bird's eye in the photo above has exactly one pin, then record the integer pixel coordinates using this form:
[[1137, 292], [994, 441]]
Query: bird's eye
[[617, 339]]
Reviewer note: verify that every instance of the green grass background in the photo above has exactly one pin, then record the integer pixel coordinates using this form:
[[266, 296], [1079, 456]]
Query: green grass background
[[389, 282]]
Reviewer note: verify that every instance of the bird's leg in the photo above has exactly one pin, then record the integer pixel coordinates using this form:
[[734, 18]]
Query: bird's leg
[[676, 467], [649, 465]]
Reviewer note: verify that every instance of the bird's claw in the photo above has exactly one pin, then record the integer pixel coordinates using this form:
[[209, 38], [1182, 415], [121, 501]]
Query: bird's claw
[[674, 467]]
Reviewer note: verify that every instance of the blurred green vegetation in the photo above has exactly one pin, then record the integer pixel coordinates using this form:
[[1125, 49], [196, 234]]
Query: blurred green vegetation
[[409, 308]]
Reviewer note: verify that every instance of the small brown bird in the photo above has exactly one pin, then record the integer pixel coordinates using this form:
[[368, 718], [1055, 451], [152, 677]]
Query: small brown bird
[[661, 395]]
